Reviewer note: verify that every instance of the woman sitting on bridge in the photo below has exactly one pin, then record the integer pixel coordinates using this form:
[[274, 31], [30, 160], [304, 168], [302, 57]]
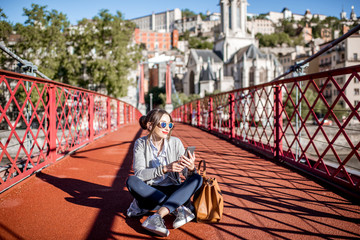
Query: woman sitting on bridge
[[158, 161]]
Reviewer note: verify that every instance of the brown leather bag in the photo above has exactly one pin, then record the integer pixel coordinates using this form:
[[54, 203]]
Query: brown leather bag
[[208, 200]]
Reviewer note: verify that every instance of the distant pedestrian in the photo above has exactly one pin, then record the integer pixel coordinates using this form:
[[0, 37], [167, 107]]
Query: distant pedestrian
[[159, 159]]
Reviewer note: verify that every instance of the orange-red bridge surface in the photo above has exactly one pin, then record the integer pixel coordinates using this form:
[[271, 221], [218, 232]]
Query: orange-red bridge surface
[[83, 196]]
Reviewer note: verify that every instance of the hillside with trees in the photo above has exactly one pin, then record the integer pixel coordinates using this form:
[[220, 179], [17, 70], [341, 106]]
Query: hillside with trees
[[95, 54]]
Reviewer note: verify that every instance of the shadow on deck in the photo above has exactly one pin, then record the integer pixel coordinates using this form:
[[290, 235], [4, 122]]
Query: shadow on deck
[[83, 196]]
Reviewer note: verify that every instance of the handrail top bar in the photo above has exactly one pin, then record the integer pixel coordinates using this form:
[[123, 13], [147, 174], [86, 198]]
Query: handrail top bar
[[345, 70], [43, 80]]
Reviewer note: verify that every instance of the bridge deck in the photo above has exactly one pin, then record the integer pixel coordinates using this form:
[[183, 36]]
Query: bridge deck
[[83, 196]]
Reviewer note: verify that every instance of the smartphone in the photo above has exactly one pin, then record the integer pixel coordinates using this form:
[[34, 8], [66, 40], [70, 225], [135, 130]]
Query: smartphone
[[189, 149]]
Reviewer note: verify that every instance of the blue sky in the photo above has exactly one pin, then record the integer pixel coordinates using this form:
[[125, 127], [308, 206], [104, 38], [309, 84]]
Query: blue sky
[[78, 9]]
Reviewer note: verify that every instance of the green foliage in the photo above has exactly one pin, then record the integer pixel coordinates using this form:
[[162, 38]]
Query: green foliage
[[260, 16], [329, 22], [319, 108], [273, 40], [104, 53], [187, 13], [200, 43], [203, 16], [185, 36], [5, 27], [98, 52], [42, 41], [159, 97]]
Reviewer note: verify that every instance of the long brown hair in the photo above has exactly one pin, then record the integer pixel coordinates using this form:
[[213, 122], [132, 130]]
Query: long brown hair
[[153, 117]]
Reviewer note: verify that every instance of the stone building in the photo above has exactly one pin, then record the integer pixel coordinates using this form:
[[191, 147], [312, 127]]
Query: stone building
[[197, 26], [156, 41], [345, 54], [158, 22], [263, 26], [235, 62]]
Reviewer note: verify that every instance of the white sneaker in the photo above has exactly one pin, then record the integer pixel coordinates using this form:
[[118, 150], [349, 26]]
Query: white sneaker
[[134, 210], [155, 224], [183, 216]]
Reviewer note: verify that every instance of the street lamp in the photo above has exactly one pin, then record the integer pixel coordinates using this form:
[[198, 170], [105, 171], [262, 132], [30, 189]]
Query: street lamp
[[151, 101]]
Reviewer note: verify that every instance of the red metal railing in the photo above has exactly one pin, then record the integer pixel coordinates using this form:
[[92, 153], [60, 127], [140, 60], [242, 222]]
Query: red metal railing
[[42, 120], [311, 122]]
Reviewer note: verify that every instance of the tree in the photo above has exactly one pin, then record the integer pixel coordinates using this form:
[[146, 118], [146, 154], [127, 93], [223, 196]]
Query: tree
[[5, 31], [187, 13], [5, 27], [200, 43], [97, 52], [42, 38], [203, 16], [159, 97], [319, 108], [104, 54]]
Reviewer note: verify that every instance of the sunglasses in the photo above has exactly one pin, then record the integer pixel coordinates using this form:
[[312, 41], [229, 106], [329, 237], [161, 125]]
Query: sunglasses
[[163, 125]]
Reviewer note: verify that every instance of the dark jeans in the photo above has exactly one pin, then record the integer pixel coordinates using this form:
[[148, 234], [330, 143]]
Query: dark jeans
[[171, 197]]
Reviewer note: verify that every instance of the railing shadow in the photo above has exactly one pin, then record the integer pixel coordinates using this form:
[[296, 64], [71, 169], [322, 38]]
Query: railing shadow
[[266, 198], [112, 201]]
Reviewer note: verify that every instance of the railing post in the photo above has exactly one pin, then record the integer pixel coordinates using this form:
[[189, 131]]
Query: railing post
[[191, 113], [186, 113], [125, 113], [91, 117], [210, 124], [108, 110], [231, 116], [198, 113], [132, 114], [182, 113], [52, 124], [118, 114], [278, 122]]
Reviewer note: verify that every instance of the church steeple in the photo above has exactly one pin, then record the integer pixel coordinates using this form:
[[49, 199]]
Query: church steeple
[[233, 17], [233, 34], [353, 14]]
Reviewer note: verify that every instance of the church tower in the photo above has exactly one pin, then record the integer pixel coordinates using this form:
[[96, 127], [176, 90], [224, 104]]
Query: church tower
[[233, 35]]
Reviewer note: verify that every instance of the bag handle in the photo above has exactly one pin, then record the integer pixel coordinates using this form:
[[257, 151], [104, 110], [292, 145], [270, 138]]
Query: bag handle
[[204, 167]]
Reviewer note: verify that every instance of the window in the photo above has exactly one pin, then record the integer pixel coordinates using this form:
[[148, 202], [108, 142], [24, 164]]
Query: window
[[356, 102], [356, 91], [356, 80], [355, 56]]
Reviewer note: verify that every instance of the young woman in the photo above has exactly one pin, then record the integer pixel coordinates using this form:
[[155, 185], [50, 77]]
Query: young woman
[[159, 159]]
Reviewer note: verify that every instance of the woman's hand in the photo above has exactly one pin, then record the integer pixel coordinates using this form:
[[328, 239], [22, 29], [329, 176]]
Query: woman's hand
[[188, 162], [173, 167]]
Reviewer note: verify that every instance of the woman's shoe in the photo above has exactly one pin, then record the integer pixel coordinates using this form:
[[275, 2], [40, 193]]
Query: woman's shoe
[[183, 216], [155, 224]]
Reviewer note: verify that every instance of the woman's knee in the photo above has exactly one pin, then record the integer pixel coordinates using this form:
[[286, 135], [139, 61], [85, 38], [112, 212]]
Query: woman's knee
[[195, 180], [197, 177], [132, 181]]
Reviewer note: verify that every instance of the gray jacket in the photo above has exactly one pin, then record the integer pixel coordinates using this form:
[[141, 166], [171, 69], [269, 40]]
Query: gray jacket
[[143, 156]]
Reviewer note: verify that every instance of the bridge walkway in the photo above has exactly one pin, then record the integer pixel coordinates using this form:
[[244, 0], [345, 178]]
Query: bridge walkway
[[83, 196]]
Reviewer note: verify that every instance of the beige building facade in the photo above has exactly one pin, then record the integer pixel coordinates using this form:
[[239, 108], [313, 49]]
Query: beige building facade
[[158, 22], [345, 54]]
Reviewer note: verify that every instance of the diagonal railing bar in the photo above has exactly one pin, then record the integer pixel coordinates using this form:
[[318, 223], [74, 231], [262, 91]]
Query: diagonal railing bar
[[268, 126], [59, 122], [341, 90]]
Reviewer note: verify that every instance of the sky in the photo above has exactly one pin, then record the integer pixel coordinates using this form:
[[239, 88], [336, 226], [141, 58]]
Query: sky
[[79, 9]]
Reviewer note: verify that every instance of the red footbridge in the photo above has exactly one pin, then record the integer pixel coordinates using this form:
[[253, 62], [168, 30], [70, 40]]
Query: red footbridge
[[285, 153]]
